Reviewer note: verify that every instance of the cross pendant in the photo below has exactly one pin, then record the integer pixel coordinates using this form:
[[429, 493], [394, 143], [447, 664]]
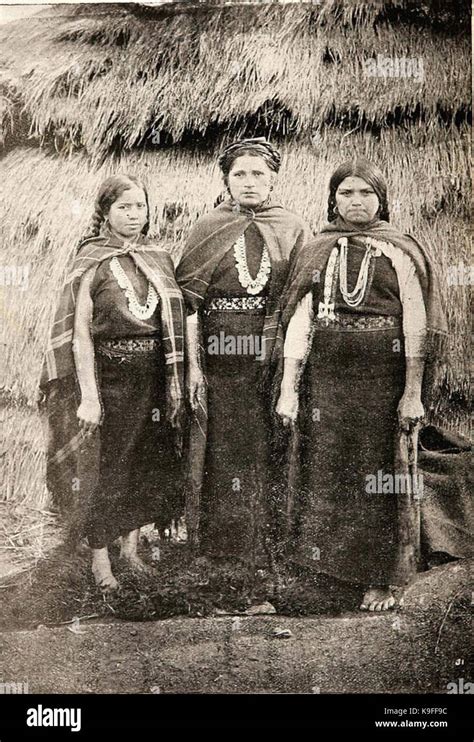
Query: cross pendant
[[326, 311]]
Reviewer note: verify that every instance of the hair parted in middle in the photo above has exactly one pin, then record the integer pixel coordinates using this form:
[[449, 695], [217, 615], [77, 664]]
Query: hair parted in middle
[[359, 167], [110, 190]]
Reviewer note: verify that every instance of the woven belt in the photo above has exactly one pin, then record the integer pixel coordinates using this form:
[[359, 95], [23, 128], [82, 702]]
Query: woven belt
[[237, 304], [114, 348], [356, 322]]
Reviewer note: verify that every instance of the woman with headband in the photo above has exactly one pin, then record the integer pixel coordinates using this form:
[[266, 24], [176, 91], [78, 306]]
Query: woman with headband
[[232, 273]]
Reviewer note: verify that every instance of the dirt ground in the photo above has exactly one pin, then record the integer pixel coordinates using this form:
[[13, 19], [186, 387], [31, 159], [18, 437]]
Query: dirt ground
[[120, 646], [60, 587], [192, 627]]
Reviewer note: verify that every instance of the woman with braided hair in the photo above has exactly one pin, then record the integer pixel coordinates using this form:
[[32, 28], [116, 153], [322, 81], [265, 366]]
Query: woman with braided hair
[[113, 381], [232, 272], [362, 315]]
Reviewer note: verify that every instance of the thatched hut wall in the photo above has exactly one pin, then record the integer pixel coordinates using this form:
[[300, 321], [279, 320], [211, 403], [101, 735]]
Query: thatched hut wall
[[90, 90], [104, 76]]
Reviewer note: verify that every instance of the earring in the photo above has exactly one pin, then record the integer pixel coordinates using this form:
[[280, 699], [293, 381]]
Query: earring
[[335, 210]]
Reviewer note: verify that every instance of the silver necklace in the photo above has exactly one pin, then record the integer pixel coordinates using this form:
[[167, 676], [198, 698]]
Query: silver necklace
[[253, 285], [140, 311]]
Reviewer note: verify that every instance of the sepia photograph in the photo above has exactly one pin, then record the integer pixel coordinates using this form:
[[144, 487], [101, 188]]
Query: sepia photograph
[[235, 274]]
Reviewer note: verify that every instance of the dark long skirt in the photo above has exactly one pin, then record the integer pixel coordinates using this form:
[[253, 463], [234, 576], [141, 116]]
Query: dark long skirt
[[352, 384], [235, 518], [138, 479]]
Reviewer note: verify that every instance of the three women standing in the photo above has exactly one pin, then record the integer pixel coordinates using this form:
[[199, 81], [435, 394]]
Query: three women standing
[[232, 273], [113, 378], [360, 309]]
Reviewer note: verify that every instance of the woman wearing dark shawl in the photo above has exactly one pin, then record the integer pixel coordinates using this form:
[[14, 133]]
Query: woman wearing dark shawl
[[361, 313], [232, 272], [113, 380]]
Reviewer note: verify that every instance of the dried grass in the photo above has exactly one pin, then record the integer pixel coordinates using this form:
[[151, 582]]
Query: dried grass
[[28, 530], [27, 535], [111, 75]]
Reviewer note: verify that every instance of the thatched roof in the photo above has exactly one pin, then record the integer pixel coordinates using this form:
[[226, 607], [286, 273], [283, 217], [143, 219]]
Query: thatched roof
[[161, 87], [105, 77]]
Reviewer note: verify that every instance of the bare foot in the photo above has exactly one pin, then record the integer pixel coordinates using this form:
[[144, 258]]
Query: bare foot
[[128, 552], [102, 571], [377, 599], [138, 565]]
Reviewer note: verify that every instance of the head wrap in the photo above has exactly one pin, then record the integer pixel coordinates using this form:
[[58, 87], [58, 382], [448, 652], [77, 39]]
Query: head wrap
[[209, 240], [258, 147]]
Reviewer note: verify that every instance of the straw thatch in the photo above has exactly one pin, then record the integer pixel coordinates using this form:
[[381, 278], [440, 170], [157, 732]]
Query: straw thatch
[[105, 77], [90, 90]]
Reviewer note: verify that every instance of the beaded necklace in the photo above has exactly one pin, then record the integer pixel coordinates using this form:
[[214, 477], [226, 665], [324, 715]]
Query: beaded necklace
[[338, 258], [253, 285], [140, 311]]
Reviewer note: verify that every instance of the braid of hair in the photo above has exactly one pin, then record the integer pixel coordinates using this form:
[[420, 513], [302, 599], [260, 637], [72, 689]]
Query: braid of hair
[[97, 220], [384, 212], [95, 225], [331, 206]]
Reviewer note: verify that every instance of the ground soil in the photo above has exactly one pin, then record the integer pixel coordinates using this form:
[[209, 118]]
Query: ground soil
[[120, 646], [60, 587], [190, 628]]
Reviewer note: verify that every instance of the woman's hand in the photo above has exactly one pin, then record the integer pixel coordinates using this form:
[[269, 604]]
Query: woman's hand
[[196, 386], [89, 413], [410, 412], [287, 406]]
